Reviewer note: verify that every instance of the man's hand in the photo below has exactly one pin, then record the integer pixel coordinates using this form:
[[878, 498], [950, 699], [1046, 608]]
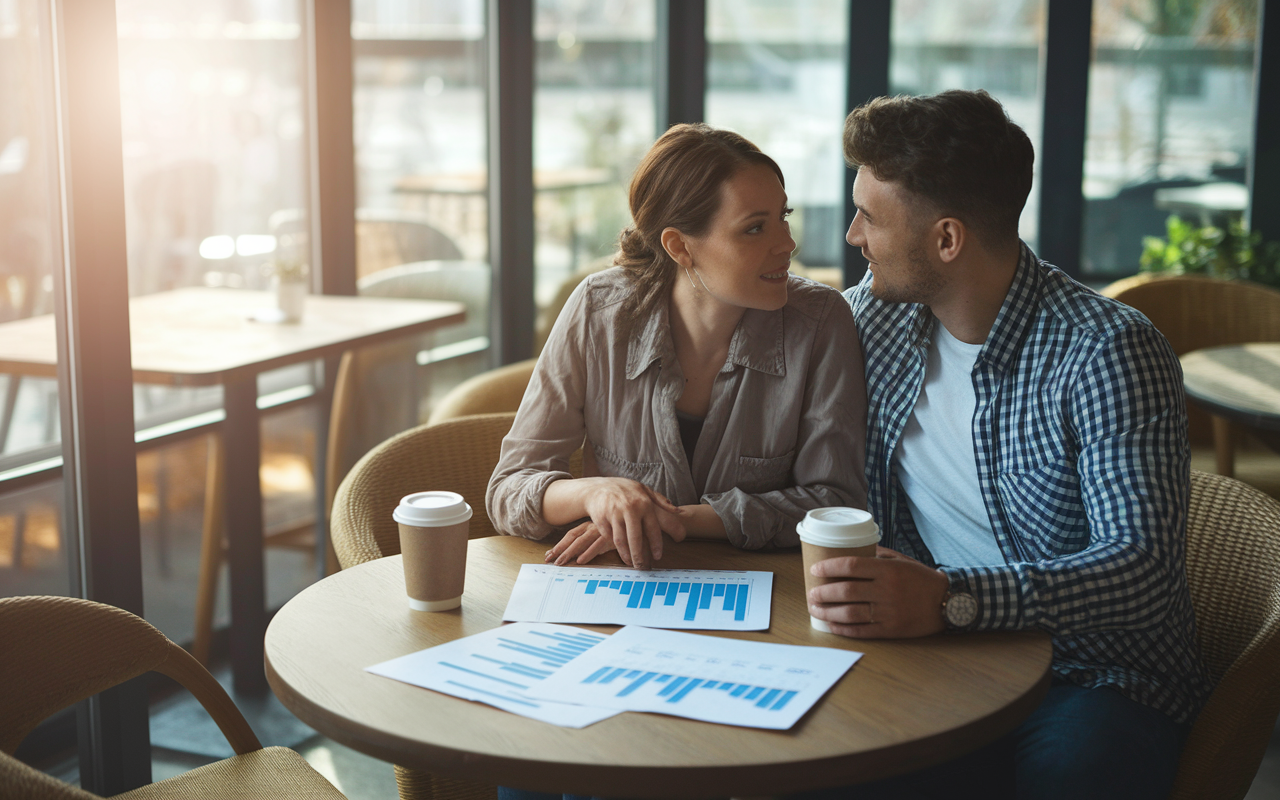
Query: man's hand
[[887, 597]]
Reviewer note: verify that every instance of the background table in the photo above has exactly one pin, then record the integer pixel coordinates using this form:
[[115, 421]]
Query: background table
[[1239, 382], [905, 705], [203, 337]]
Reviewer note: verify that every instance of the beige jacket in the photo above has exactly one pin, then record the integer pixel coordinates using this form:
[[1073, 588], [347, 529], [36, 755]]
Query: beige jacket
[[785, 432]]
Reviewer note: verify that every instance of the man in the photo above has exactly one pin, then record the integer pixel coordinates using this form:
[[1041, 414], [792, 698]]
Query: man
[[1027, 460]]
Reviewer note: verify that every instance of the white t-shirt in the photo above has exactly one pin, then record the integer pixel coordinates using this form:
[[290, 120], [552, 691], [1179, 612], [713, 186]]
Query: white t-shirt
[[935, 461]]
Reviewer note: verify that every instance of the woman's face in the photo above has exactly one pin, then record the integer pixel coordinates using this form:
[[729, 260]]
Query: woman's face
[[743, 256]]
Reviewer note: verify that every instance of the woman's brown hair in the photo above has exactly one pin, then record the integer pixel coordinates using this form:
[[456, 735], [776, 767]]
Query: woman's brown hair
[[677, 185]]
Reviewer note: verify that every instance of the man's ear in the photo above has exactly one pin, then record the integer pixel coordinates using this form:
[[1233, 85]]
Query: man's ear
[[677, 246], [951, 235]]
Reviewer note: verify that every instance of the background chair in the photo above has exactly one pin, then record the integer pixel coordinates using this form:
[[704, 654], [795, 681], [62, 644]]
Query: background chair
[[72, 649], [1194, 312], [494, 392], [1233, 568]]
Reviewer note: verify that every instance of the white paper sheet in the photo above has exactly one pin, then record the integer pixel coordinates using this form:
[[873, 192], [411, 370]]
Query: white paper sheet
[[755, 684], [500, 667], [719, 600]]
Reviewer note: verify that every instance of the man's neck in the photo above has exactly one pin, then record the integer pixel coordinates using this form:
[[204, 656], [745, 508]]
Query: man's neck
[[969, 304]]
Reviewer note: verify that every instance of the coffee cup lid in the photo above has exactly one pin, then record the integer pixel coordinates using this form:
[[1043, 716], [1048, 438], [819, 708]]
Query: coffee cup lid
[[432, 509], [838, 527]]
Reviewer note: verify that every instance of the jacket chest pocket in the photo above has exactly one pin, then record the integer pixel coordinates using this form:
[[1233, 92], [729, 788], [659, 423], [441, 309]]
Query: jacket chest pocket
[[1044, 506], [611, 465], [759, 475]]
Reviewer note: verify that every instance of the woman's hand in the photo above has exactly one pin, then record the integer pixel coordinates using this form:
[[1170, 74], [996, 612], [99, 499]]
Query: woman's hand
[[581, 544], [629, 514]]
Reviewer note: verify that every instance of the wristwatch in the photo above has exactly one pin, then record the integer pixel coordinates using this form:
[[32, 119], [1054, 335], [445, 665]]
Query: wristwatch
[[959, 609]]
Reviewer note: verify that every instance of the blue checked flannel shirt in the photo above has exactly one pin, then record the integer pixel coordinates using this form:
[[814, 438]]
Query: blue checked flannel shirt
[[1080, 437]]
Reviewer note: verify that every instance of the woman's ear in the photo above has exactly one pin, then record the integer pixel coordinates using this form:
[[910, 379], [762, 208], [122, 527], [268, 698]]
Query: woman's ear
[[951, 235], [677, 246]]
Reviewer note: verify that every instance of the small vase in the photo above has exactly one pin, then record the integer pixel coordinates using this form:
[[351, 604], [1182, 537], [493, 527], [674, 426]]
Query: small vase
[[291, 297]]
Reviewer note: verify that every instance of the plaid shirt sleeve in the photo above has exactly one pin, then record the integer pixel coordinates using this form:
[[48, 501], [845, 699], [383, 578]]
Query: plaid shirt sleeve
[[1125, 466]]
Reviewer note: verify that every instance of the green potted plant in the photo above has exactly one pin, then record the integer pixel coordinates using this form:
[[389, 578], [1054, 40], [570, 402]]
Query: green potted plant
[[1232, 252]]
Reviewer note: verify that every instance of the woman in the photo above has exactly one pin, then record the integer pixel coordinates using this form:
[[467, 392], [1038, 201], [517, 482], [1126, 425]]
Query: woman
[[714, 395]]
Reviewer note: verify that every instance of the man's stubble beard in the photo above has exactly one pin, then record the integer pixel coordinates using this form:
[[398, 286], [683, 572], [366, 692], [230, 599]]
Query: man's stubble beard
[[921, 285]]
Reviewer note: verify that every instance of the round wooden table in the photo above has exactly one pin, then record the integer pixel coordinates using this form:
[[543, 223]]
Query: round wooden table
[[907, 704], [1240, 382]]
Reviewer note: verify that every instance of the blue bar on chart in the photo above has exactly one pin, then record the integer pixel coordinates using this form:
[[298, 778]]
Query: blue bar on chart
[[641, 594], [677, 687]]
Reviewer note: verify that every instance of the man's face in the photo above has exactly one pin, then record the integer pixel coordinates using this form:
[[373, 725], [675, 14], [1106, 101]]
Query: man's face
[[893, 236]]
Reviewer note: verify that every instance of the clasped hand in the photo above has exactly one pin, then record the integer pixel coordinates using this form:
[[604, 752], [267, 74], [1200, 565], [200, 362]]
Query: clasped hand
[[624, 515]]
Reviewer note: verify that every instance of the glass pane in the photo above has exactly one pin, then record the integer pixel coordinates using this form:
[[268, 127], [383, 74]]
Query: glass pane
[[34, 552], [33, 555], [776, 74], [975, 44], [1170, 108], [422, 171], [593, 122], [212, 97]]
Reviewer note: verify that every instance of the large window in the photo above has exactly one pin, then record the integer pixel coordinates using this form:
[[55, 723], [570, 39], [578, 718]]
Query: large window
[[776, 74], [1170, 110], [422, 175], [213, 112], [593, 122], [33, 555], [975, 44]]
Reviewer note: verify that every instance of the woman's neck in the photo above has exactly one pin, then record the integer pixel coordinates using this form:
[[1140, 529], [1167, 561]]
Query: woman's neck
[[701, 324], [701, 327]]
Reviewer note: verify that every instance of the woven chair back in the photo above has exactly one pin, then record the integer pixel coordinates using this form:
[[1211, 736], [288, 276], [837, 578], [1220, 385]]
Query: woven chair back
[[457, 456], [63, 651], [1233, 569], [497, 391], [1194, 312]]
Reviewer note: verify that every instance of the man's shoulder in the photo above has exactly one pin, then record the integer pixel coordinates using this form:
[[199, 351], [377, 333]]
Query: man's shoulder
[[1067, 304]]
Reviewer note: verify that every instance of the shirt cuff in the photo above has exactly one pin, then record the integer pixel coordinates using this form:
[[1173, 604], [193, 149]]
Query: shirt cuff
[[997, 594]]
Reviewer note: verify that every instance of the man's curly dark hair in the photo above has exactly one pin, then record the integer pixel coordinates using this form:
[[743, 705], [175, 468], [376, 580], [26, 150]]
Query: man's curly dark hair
[[957, 150]]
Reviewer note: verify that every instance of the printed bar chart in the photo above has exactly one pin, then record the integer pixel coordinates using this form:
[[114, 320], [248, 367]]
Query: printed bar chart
[[500, 667], [644, 594], [731, 681], [675, 688], [682, 599]]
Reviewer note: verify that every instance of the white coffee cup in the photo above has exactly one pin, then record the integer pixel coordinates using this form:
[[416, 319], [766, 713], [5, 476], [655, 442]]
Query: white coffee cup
[[433, 543], [831, 533]]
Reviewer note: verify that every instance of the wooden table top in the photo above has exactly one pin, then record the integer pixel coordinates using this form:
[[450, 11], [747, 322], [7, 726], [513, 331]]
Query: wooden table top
[[905, 705], [1240, 382], [198, 336]]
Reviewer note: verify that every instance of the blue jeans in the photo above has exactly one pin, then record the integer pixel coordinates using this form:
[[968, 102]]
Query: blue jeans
[[1079, 743]]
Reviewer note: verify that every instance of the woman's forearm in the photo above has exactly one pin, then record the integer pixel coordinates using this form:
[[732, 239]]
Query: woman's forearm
[[702, 522], [565, 501]]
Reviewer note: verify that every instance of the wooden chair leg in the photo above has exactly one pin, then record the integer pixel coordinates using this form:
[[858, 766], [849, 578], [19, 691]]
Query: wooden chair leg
[[1224, 445], [210, 552]]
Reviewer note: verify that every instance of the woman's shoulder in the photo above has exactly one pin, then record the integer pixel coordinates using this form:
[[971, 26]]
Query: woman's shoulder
[[606, 288], [811, 299]]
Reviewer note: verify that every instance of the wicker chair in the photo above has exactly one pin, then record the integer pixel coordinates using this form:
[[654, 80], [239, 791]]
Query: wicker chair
[[1233, 567], [1194, 312], [457, 456], [496, 391], [72, 649]]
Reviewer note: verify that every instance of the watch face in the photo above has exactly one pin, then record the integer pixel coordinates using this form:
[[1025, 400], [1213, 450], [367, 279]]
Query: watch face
[[962, 610]]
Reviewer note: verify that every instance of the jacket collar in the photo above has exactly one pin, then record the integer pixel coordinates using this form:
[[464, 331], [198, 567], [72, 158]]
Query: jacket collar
[[757, 343]]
